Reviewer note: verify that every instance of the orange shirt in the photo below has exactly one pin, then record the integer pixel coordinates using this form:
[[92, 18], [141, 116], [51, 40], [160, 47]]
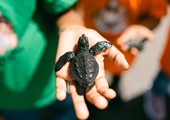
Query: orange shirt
[[165, 59], [133, 9]]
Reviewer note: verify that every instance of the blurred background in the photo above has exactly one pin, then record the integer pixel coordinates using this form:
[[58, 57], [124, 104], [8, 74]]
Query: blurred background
[[140, 75], [137, 80]]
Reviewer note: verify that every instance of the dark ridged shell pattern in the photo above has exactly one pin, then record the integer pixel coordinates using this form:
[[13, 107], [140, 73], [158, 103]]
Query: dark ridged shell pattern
[[84, 68]]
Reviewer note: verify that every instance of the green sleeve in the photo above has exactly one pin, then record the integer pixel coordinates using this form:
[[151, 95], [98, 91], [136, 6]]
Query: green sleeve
[[58, 6]]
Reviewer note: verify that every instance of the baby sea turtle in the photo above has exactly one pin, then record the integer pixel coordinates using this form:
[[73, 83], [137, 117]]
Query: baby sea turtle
[[83, 65], [138, 44]]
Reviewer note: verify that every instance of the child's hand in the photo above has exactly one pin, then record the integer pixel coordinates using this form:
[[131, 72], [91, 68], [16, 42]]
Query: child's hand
[[100, 93], [134, 32]]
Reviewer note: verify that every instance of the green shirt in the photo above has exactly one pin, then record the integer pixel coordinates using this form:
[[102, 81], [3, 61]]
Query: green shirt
[[27, 78]]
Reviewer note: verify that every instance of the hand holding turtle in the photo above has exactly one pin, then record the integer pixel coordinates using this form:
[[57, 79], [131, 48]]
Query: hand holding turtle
[[100, 92], [134, 37]]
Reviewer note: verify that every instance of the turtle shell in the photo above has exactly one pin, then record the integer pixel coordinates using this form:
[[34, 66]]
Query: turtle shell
[[84, 68]]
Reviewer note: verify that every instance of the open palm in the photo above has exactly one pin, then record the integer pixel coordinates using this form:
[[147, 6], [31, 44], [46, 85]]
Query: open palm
[[100, 92]]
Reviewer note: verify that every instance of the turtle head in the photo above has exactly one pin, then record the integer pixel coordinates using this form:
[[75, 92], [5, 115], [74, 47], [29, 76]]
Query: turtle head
[[83, 44]]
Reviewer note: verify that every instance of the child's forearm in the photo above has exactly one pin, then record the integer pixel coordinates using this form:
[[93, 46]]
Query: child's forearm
[[72, 17]]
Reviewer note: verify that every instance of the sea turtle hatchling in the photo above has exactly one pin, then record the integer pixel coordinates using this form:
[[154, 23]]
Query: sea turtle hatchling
[[83, 65], [136, 43]]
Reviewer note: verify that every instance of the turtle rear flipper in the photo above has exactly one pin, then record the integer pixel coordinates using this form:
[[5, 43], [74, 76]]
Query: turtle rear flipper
[[63, 59], [80, 90], [89, 87]]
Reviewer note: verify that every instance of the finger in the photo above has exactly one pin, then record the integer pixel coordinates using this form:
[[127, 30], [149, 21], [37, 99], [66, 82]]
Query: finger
[[146, 33], [134, 51], [95, 98], [124, 47], [79, 103], [135, 32], [103, 88], [113, 53], [118, 58], [125, 37], [60, 88]]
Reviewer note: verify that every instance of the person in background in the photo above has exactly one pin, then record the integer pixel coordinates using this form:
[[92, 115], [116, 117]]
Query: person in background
[[155, 105], [111, 18], [31, 33]]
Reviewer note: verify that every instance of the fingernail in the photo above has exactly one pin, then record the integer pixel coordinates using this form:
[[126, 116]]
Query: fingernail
[[121, 61]]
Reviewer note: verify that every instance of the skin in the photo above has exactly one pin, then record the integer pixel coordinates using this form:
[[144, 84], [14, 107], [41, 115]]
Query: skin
[[70, 31], [132, 32], [7, 33], [141, 29]]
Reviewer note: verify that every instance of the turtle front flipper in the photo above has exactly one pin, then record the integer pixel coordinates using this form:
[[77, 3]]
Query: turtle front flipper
[[63, 59], [100, 46]]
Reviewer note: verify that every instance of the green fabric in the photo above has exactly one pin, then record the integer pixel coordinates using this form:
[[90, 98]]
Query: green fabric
[[27, 77]]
